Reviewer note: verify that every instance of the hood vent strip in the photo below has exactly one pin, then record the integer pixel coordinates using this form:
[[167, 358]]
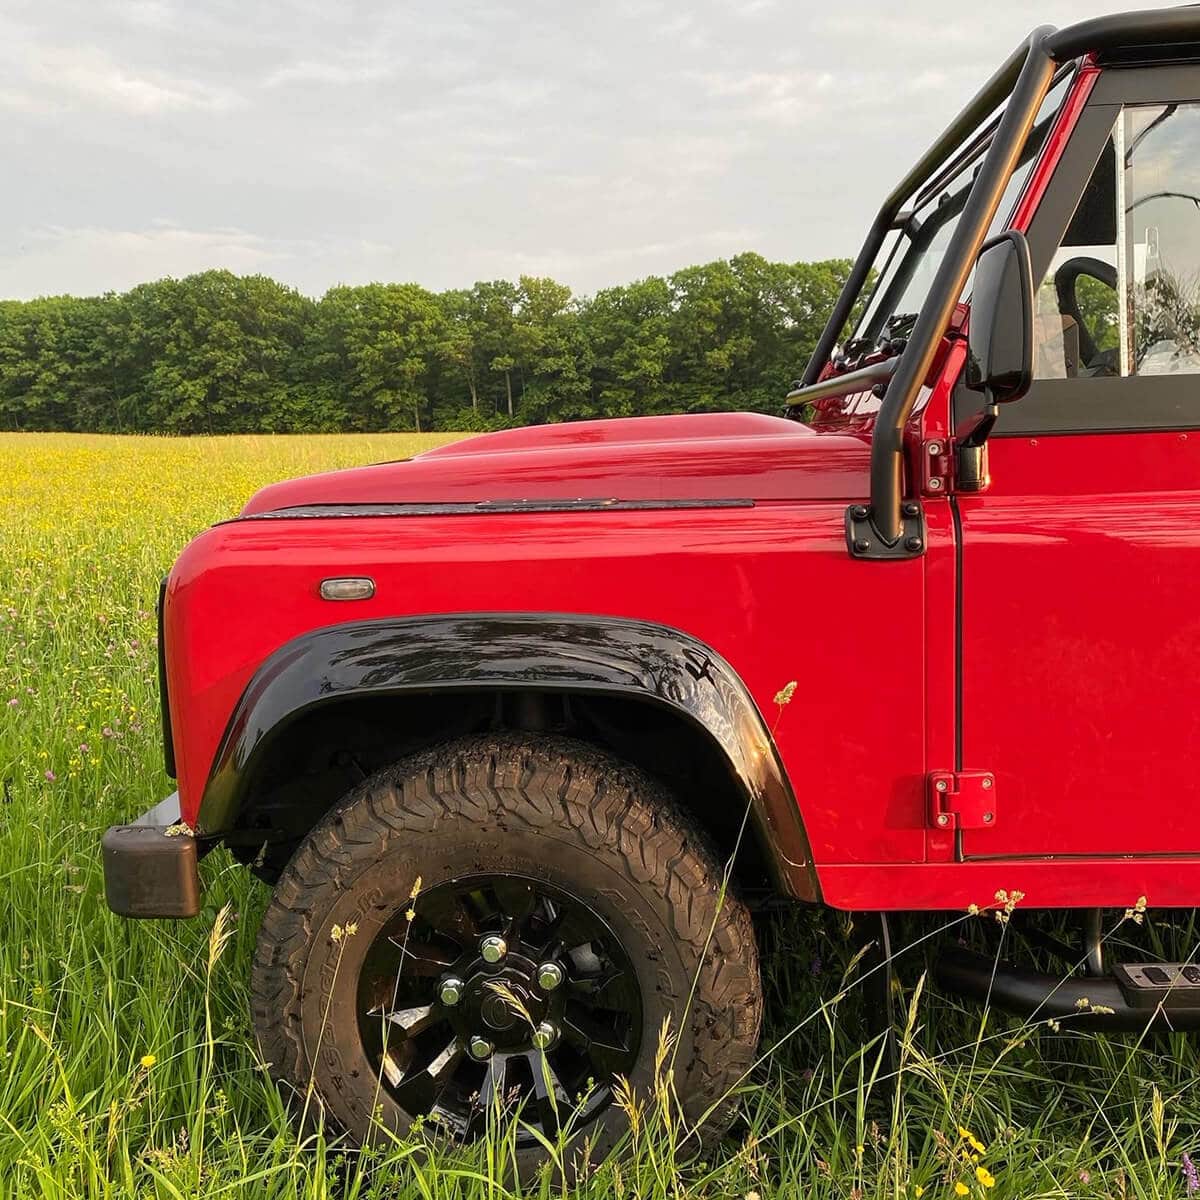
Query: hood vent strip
[[484, 507]]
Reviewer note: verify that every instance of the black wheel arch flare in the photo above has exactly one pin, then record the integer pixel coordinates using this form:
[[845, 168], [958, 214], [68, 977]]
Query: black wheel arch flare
[[472, 652]]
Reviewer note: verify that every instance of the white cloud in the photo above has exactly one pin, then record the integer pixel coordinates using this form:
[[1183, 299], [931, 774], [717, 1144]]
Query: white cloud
[[86, 259], [504, 94], [751, 8], [783, 96], [19, 101], [326, 142], [149, 14], [650, 257], [337, 74], [86, 76]]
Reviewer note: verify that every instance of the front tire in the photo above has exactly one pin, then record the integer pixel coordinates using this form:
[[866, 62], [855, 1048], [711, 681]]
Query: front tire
[[535, 857]]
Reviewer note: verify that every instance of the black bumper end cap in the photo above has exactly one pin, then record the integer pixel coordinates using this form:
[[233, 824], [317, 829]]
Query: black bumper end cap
[[150, 871]]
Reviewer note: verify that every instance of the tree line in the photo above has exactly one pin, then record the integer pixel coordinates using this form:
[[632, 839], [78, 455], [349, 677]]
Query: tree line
[[223, 353]]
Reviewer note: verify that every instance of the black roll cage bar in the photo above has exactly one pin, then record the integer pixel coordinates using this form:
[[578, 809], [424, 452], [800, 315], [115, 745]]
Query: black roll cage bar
[[1023, 80]]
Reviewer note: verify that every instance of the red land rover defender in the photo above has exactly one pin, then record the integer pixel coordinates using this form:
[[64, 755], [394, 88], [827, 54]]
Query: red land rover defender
[[499, 710]]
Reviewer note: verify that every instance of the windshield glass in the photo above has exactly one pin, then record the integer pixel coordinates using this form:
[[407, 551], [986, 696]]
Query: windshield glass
[[908, 260]]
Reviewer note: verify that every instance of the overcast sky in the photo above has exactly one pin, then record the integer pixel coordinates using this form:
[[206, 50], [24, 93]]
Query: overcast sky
[[324, 141]]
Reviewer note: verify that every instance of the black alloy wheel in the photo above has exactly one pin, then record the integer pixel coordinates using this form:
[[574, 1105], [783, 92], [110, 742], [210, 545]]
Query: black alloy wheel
[[495, 975]]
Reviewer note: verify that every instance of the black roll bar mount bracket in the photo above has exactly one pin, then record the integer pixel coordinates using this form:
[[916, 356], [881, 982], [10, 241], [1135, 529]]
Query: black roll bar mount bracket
[[864, 540]]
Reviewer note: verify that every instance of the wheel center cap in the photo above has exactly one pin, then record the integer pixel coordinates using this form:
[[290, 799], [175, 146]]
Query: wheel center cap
[[497, 1013]]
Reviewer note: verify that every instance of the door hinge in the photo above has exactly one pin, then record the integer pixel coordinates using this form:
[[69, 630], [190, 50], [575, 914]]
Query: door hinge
[[935, 466], [962, 799]]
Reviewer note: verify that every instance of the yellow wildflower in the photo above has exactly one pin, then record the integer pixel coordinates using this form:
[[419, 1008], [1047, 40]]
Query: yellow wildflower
[[148, 1060], [785, 693], [961, 1189], [985, 1177], [971, 1140]]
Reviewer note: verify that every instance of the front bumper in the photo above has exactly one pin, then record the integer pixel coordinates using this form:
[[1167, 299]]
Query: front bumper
[[150, 866]]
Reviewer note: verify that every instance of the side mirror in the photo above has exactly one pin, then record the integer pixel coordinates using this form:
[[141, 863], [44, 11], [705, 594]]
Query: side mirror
[[1000, 335]]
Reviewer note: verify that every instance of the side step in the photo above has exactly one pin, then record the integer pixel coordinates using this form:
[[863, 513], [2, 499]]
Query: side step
[[1140, 995]]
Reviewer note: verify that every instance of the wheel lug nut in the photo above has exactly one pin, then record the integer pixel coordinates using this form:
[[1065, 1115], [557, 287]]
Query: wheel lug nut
[[493, 948], [451, 990], [480, 1048], [545, 1036], [549, 976]]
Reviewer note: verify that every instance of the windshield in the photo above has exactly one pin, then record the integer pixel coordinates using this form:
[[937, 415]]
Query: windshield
[[909, 259]]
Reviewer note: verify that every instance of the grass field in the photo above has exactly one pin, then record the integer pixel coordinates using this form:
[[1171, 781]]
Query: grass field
[[128, 1063]]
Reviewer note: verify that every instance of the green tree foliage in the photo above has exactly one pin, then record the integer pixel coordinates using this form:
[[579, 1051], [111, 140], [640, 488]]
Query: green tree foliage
[[221, 353]]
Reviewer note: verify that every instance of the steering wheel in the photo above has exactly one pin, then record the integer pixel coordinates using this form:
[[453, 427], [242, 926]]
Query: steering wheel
[[1065, 279]]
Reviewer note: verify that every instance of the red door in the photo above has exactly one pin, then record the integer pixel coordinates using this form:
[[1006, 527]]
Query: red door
[[1081, 644]]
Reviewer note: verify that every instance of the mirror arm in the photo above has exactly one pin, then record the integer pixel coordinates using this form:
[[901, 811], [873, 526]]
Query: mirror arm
[[971, 472], [975, 430]]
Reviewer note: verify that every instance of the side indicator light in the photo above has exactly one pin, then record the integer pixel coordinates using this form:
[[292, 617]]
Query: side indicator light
[[349, 588]]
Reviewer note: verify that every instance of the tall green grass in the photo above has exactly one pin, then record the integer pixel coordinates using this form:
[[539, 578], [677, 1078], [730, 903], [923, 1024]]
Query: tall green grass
[[128, 1062]]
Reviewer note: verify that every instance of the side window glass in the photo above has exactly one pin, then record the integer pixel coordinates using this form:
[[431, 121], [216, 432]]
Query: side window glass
[[1122, 294]]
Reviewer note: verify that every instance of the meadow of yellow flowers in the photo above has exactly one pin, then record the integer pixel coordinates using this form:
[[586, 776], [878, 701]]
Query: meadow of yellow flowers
[[88, 526], [102, 1045]]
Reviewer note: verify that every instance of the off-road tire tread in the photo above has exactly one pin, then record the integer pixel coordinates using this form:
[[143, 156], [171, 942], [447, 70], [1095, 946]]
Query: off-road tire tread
[[550, 784]]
